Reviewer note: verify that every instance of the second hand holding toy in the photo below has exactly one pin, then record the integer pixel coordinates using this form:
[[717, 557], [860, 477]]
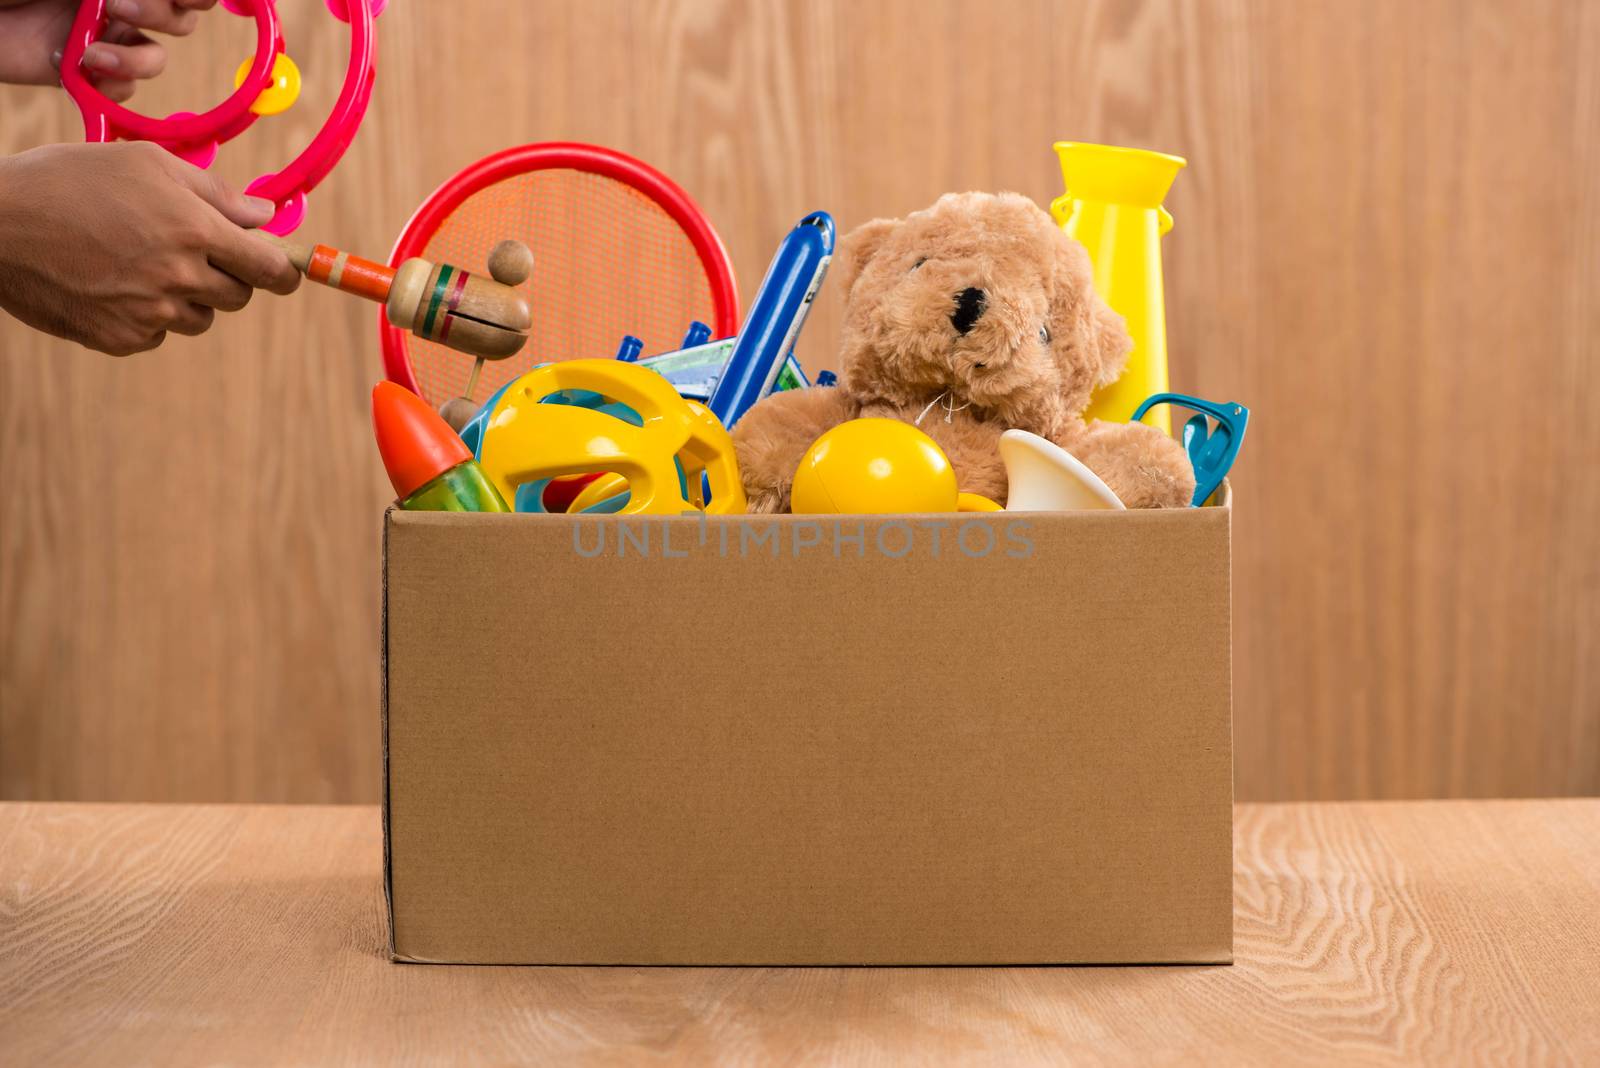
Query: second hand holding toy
[[264, 85]]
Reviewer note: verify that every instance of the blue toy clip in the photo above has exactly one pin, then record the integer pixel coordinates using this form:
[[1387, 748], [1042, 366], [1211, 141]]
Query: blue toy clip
[[629, 350], [699, 333], [1211, 452]]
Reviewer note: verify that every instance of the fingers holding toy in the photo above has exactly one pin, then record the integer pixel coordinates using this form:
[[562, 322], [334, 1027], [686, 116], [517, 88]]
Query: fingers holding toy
[[124, 55], [221, 290], [115, 245], [190, 318], [175, 17], [234, 206], [252, 261], [121, 58], [33, 35], [228, 245]]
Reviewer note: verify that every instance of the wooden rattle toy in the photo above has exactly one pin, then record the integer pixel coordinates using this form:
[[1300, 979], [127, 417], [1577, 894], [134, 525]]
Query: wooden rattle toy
[[510, 263], [435, 302], [264, 85]]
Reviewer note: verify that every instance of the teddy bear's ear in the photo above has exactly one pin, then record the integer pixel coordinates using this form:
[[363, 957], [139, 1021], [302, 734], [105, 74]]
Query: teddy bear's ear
[[859, 246]]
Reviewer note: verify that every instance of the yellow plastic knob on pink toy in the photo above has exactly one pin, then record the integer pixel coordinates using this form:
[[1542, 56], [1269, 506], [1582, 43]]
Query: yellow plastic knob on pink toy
[[280, 93], [882, 467], [525, 439]]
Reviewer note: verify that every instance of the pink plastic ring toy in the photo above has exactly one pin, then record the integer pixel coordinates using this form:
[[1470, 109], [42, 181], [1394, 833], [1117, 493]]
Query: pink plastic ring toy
[[194, 136]]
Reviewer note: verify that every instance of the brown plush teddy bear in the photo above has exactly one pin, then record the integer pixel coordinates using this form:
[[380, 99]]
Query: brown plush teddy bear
[[975, 316]]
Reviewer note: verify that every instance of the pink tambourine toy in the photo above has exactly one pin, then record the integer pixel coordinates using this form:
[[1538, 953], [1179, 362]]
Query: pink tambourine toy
[[265, 85]]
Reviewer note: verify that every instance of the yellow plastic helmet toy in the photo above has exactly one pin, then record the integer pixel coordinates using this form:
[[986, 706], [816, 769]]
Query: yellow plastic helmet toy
[[525, 439]]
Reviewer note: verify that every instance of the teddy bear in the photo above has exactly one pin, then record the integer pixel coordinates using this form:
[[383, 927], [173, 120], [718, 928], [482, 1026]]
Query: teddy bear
[[972, 317]]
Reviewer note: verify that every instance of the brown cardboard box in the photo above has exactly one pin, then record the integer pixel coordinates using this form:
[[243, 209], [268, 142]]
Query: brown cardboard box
[[977, 739]]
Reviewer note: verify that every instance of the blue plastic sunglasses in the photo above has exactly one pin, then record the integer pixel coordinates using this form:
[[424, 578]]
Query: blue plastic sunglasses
[[1211, 449]]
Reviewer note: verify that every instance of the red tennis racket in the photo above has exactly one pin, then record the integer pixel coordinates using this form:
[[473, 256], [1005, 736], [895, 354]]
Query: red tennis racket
[[618, 248]]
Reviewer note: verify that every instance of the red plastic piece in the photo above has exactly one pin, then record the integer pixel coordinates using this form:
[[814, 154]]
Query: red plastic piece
[[559, 493]]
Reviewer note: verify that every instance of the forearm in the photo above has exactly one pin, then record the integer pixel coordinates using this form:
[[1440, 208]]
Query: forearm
[[25, 293], [13, 209]]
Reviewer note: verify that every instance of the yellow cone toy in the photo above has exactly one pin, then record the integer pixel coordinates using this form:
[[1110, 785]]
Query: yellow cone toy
[[1113, 206]]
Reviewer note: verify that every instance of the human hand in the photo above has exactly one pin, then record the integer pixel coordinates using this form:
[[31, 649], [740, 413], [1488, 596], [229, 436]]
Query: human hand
[[113, 245], [33, 32]]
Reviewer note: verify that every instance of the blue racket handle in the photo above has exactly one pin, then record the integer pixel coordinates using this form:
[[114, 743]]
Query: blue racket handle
[[775, 319]]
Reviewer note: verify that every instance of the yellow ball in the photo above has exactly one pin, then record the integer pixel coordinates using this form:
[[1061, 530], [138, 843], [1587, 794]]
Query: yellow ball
[[280, 93], [875, 466]]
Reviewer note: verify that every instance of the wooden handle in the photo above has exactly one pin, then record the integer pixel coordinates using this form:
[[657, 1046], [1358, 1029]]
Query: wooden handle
[[339, 270], [299, 255]]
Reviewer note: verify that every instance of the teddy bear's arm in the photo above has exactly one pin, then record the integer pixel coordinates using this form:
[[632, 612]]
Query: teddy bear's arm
[[771, 437], [1143, 466]]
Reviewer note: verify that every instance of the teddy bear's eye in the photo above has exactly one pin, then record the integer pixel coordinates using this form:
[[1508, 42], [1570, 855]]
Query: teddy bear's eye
[[1044, 334], [919, 262]]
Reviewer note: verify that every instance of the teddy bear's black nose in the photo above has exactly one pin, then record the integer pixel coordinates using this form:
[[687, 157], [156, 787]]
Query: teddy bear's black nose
[[969, 308]]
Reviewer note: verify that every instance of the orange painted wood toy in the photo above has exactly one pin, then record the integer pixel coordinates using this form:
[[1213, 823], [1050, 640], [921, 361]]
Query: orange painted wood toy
[[484, 317]]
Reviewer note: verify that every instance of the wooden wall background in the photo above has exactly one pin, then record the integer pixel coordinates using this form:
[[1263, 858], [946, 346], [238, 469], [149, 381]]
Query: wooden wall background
[[1387, 244]]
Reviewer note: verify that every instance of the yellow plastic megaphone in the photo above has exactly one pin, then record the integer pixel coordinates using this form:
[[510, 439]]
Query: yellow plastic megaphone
[[1113, 206]]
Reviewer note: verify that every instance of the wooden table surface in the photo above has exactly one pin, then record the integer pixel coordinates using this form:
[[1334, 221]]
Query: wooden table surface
[[1428, 932]]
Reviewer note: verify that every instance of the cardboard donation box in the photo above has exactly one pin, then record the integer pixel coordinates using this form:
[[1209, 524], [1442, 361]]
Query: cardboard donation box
[[994, 738]]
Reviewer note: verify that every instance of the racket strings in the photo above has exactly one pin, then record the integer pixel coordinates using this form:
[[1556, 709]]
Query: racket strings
[[608, 261]]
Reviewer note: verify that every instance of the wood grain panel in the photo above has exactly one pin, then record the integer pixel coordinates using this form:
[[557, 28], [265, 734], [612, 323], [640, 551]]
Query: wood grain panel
[[1373, 934], [1386, 244]]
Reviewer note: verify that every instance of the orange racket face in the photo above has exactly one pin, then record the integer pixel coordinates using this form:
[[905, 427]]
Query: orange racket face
[[618, 249]]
